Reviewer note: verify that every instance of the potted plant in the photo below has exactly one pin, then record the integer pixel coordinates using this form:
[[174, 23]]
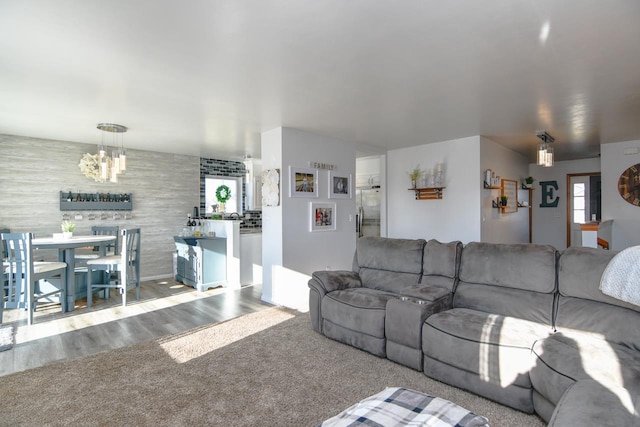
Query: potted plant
[[67, 229], [414, 175], [503, 200], [528, 182]]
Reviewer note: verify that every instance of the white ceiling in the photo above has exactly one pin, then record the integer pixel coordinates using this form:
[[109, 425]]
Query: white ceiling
[[207, 77]]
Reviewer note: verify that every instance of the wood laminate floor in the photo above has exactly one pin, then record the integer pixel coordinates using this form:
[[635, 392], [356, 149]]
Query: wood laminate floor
[[165, 307]]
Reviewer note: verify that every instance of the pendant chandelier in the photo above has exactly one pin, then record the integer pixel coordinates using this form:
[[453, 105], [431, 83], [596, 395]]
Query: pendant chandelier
[[112, 163], [545, 149]]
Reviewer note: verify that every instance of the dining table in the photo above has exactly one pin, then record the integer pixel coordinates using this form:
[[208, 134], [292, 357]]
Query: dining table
[[66, 253]]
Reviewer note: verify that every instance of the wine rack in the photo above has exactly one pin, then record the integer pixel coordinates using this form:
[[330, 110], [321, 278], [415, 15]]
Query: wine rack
[[70, 201]]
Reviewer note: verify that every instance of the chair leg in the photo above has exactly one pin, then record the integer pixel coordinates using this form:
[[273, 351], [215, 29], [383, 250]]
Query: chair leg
[[30, 303], [63, 292], [89, 293], [123, 292]]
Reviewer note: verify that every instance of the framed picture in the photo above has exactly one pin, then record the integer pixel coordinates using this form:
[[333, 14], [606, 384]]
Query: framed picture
[[322, 216], [339, 185], [510, 190], [303, 182]]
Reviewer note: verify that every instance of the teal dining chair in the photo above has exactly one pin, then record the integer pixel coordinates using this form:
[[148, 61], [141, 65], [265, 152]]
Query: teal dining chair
[[111, 248], [24, 277], [123, 271]]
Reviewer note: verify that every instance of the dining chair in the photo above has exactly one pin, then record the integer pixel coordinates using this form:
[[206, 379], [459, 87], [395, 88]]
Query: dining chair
[[5, 282], [24, 277], [112, 248], [123, 270]]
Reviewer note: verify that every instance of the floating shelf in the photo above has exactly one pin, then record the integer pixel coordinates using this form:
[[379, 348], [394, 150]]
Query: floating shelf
[[95, 201], [492, 187], [428, 193]]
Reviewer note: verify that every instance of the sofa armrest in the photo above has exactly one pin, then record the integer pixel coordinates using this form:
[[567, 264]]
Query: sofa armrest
[[323, 282], [329, 281]]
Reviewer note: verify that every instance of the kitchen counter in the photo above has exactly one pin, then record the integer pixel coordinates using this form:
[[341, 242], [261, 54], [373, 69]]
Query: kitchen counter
[[253, 230]]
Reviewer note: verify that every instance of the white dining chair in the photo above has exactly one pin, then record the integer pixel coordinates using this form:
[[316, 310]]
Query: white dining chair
[[123, 270], [23, 278]]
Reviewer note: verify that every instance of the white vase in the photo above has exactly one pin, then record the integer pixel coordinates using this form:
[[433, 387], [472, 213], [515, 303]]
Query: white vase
[[67, 234]]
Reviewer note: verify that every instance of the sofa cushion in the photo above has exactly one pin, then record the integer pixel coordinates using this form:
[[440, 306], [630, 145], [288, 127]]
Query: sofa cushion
[[562, 360], [588, 403], [494, 347], [531, 306], [603, 321], [579, 273], [358, 309], [515, 280], [440, 264], [388, 264], [583, 308], [519, 266]]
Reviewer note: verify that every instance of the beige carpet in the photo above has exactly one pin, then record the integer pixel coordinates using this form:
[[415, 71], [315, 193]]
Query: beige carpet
[[263, 369]]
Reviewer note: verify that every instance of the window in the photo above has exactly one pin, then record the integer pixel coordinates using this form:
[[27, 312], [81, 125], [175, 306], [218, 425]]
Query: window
[[578, 203], [211, 184]]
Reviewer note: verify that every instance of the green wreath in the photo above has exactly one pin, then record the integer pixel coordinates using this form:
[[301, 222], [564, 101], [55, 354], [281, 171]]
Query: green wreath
[[223, 194]]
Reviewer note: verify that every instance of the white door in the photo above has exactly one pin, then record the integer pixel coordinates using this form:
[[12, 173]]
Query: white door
[[578, 207]]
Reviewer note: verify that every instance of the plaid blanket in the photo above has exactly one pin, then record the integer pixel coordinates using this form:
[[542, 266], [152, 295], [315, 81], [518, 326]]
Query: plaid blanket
[[397, 406]]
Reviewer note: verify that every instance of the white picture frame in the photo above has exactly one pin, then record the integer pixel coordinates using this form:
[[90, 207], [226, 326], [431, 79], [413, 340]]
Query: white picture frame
[[303, 182], [340, 185], [322, 216]]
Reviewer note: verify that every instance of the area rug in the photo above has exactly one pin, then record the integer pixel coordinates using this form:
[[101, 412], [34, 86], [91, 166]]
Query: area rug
[[6, 337], [267, 368]]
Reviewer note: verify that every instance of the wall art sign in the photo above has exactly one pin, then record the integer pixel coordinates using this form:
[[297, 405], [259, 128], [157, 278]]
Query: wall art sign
[[510, 189], [271, 187], [549, 198]]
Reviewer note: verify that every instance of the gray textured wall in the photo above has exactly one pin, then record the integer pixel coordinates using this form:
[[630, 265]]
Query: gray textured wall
[[165, 188]]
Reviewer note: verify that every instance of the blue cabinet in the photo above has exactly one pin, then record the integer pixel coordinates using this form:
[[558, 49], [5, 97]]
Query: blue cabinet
[[201, 261]]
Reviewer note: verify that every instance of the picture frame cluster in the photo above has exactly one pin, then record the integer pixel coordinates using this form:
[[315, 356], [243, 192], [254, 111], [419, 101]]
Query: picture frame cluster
[[303, 183]]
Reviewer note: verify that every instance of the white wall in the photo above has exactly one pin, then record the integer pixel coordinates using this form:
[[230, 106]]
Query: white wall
[[272, 238], [550, 224], [625, 216], [498, 227], [457, 215], [297, 251]]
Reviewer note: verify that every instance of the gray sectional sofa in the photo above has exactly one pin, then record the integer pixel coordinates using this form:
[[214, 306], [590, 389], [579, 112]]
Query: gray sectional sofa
[[521, 324]]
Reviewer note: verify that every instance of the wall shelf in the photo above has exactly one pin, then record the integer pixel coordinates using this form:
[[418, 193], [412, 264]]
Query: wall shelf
[[492, 187], [428, 193], [70, 201]]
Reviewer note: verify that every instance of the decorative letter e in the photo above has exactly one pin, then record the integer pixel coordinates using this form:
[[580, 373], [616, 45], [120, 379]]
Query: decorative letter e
[[549, 200]]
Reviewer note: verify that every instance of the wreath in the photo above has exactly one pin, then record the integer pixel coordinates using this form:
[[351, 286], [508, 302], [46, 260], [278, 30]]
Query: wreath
[[90, 166], [223, 194]]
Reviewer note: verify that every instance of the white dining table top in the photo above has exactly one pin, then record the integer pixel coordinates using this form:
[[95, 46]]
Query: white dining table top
[[72, 242]]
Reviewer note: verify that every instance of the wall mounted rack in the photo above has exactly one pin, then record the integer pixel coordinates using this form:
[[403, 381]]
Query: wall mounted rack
[[70, 201], [428, 193]]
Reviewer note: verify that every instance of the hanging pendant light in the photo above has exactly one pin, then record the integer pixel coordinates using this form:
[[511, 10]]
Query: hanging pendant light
[[545, 149], [123, 155], [112, 165]]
